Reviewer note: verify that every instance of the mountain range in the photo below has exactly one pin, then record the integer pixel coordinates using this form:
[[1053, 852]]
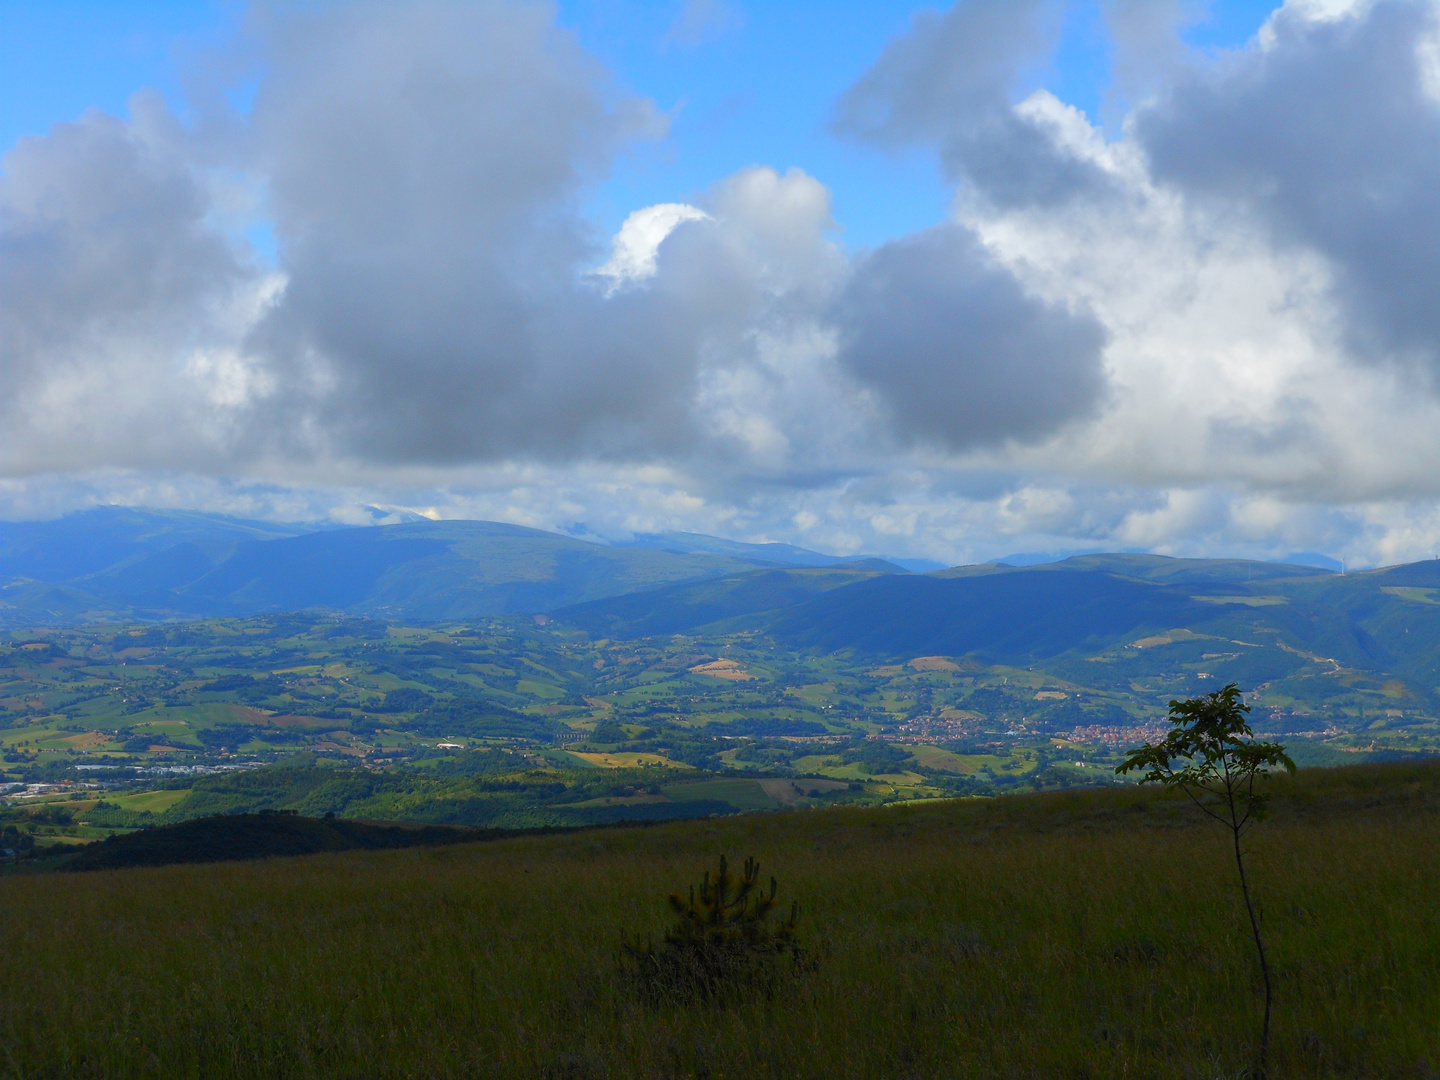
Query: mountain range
[[1387, 619], [121, 564]]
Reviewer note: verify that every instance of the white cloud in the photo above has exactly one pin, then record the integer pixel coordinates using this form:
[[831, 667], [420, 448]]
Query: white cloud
[[1310, 11], [634, 247], [1211, 331]]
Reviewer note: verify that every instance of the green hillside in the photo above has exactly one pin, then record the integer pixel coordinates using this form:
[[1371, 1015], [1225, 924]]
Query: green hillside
[[888, 686], [256, 836], [1076, 934], [1274, 627], [707, 605], [150, 705]]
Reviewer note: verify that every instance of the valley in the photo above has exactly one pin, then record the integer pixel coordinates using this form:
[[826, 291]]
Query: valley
[[757, 685]]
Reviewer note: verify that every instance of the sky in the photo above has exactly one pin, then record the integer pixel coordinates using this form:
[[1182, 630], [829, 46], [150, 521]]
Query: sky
[[939, 282]]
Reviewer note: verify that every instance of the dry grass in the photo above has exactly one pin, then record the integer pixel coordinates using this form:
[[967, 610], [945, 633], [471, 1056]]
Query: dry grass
[[1073, 935]]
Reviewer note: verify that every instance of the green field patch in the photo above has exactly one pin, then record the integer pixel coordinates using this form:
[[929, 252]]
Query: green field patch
[[789, 791], [816, 763], [856, 772], [543, 669], [539, 689], [980, 761], [614, 800], [740, 793], [161, 722], [292, 720], [95, 832], [473, 681], [1247, 601], [205, 714], [644, 683], [575, 761], [624, 760], [700, 720], [934, 757], [62, 838], [153, 801], [817, 692], [1412, 593]]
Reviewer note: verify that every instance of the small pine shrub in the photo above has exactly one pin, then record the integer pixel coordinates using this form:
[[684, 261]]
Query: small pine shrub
[[724, 945]]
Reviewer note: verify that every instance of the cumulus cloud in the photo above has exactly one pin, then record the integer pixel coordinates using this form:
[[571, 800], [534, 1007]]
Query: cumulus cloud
[[1147, 48], [950, 81], [1263, 221], [114, 285], [958, 349], [425, 163], [1204, 328], [423, 167], [1328, 137], [634, 247]]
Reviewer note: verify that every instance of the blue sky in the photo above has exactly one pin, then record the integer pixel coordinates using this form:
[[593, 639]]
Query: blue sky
[[986, 320], [756, 85]]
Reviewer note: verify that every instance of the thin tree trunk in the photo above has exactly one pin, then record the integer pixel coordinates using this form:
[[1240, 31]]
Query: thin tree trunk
[[1260, 948]]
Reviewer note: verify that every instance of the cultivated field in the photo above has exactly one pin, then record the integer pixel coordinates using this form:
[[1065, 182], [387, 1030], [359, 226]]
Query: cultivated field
[[1074, 934]]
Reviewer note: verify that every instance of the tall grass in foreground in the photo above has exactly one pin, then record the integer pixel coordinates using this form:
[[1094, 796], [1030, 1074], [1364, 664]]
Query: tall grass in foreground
[[1014, 938]]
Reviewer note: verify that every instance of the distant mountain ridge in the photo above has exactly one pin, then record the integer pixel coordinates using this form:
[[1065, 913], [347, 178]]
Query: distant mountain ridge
[[870, 607], [109, 538], [786, 554], [1085, 607], [1146, 616], [118, 563]]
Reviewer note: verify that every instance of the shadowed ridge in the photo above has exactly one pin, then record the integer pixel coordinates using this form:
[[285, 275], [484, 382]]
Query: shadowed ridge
[[138, 565], [683, 608], [260, 836]]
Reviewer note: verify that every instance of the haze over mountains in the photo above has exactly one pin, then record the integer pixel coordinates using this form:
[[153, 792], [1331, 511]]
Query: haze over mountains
[[1265, 617], [117, 564], [121, 563]]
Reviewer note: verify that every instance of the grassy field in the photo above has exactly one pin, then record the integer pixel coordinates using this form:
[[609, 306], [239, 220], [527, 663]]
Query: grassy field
[[154, 801], [1074, 934]]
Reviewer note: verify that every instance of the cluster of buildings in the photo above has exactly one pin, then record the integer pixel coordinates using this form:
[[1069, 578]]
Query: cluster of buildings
[[936, 729], [1116, 736], [30, 791]]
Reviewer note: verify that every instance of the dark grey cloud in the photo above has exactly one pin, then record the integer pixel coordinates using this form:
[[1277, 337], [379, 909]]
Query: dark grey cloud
[[960, 352], [1146, 47], [950, 81], [1329, 139], [425, 164], [103, 235], [112, 277]]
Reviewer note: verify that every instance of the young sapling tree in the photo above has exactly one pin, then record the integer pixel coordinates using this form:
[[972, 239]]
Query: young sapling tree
[[1212, 756], [722, 943]]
